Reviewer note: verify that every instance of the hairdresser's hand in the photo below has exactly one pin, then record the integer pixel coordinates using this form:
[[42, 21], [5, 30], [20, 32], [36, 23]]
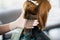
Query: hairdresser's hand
[[19, 23], [24, 23], [28, 24], [31, 23]]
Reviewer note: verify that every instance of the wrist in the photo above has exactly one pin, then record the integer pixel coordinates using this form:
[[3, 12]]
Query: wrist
[[12, 26], [15, 25]]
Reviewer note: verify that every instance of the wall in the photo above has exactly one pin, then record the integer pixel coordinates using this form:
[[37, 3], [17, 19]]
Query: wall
[[54, 14]]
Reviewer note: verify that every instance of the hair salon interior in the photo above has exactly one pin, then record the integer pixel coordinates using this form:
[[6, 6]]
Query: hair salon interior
[[10, 10]]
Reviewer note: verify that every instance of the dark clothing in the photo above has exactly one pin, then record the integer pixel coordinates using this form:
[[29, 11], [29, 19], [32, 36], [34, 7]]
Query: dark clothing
[[35, 34]]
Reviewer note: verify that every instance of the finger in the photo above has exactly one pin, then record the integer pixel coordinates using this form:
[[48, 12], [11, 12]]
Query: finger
[[29, 27], [36, 20], [35, 23]]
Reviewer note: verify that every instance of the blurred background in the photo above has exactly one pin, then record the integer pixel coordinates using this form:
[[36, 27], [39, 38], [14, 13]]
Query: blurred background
[[10, 10]]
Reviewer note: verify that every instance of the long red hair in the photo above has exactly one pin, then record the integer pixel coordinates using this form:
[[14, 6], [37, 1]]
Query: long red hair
[[41, 13]]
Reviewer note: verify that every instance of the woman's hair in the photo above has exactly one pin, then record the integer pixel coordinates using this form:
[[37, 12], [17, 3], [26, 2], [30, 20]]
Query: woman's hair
[[39, 12]]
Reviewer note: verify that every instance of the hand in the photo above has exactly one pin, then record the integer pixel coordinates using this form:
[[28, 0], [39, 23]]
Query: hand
[[19, 23], [35, 23], [31, 23]]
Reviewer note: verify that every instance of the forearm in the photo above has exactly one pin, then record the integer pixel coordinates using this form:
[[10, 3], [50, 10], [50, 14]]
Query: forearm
[[4, 28], [9, 27]]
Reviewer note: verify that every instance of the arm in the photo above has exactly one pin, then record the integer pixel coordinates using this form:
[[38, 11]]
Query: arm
[[4, 28], [11, 26], [19, 23]]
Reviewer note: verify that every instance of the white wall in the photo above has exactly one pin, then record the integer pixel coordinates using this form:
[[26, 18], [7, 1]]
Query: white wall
[[11, 3], [7, 5], [54, 14]]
